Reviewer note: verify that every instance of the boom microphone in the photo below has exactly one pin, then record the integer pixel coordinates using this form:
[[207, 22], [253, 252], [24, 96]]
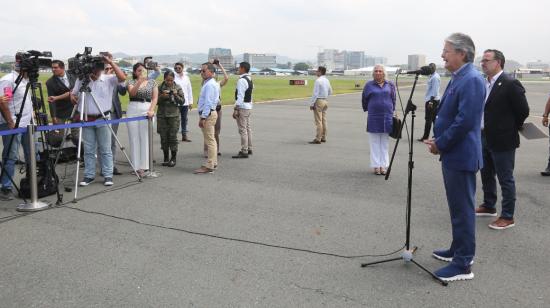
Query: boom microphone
[[424, 70]]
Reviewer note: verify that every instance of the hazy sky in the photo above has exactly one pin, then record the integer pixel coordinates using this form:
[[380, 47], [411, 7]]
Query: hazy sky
[[294, 28]]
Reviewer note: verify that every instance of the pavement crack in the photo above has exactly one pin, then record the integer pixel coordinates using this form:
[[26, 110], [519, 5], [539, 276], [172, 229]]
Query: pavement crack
[[332, 294]]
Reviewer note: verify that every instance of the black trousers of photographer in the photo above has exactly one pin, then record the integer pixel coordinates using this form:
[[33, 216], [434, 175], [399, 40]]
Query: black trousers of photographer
[[431, 112]]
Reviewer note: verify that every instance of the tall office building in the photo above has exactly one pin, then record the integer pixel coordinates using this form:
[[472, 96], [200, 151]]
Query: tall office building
[[416, 61], [372, 60], [260, 61], [222, 54], [356, 59]]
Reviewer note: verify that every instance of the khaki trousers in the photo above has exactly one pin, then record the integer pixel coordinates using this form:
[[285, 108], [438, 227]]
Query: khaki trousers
[[320, 117], [210, 141], [243, 123]]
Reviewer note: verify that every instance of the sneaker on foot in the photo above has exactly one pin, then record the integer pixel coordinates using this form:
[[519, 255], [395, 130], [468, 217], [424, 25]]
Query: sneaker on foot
[[86, 182], [502, 223], [241, 154], [483, 211], [108, 182], [453, 272], [6, 195], [445, 255]]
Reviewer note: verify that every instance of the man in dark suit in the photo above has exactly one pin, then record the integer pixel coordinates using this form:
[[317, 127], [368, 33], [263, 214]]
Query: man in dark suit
[[457, 138], [59, 88], [506, 109]]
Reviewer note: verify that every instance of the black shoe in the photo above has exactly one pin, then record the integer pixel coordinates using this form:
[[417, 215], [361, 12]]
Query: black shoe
[[545, 172], [172, 161], [116, 172], [219, 154], [241, 154], [166, 159], [323, 140], [249, 152], [6, 195], [315, 141]]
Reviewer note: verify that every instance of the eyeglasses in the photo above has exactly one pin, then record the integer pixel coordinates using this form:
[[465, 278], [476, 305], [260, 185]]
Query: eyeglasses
[[177, 68], [485, 60]]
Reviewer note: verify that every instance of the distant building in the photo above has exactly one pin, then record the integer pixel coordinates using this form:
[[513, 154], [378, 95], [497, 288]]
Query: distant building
[[260, 61], [538, 65], [372, 60], [333, 59], [222, 54], [356, 59], [416, 61]]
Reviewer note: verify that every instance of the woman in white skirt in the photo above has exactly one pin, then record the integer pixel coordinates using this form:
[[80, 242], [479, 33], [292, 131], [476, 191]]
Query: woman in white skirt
[[143, 94], [379, 101]]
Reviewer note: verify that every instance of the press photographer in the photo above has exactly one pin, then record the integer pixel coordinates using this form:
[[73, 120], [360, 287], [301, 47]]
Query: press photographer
[[59, 89], [26, 65], [89, 70]]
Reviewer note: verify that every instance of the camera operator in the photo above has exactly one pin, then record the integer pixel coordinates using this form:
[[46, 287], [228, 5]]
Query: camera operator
[[153, 70], [7, 121], [102, 86], [59, 90], [116, 111]]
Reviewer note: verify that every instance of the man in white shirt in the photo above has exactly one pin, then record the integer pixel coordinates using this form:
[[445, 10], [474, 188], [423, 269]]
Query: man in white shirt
[[183, 81], [243, 107], [319, 105], [10, 112], [102, 87]]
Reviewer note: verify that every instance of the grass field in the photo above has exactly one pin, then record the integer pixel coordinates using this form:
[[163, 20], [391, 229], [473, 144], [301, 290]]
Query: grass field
[[266, 88]]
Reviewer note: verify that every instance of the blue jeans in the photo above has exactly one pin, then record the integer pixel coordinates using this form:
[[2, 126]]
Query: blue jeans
[[500, 164], [184, 111], [9, 158], [92, 138], [460, 187]]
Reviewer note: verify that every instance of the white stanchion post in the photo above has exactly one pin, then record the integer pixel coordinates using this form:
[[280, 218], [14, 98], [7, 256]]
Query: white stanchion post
[[152, 173], [34, 204]]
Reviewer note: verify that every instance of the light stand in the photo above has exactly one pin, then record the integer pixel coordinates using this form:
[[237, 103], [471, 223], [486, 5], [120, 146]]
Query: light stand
[[408, 253]]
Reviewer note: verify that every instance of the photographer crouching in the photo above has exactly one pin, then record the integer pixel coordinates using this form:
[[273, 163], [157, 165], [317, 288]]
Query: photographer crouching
[[10, 107], [102, 87]]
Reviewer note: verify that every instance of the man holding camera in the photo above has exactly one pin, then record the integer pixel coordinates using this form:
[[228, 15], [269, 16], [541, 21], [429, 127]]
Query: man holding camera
[[183, 81], [59, 90], [10, 112], [102, 87], [208, 100]]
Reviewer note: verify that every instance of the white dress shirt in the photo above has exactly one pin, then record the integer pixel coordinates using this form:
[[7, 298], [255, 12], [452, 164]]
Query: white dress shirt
[[17, 99], [185, 84], [65, 80], [102, 89], [321, 89], [242, 86], [488, 87]]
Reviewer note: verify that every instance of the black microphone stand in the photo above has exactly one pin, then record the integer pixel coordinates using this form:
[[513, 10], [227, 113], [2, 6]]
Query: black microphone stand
[[407, 254]]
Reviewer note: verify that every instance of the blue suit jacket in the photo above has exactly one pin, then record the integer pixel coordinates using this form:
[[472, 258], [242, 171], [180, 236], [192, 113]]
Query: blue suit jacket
[[457, 128]]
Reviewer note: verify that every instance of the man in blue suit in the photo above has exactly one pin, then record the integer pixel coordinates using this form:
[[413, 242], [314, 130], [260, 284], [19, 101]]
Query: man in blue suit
[[457, 139]]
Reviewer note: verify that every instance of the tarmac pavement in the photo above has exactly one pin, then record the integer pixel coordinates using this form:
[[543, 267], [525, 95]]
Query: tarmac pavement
[[279, 229]]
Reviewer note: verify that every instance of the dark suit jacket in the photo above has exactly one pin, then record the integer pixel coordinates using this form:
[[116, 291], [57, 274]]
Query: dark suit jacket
[[506, 109], [63, 108], [457, 128]]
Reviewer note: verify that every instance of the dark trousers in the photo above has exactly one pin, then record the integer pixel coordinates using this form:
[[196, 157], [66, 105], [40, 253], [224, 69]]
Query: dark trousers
[[184, 111], [501, 165], [460, 187], [431, 111]]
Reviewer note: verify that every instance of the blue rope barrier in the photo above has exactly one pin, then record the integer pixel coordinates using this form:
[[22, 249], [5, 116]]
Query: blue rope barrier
[[19, 130], [88, 124]]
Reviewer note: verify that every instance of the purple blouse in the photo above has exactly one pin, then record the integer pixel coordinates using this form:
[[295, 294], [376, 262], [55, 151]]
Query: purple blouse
[[380, 104]]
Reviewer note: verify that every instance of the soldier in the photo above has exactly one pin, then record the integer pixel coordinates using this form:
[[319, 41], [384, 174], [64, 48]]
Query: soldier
[[171, 98]]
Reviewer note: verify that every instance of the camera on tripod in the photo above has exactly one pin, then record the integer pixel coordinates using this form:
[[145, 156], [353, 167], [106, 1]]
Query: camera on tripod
[[82, 65], [31, 61]]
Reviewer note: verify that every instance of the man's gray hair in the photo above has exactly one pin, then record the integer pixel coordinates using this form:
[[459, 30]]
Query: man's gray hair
[[464, 43]]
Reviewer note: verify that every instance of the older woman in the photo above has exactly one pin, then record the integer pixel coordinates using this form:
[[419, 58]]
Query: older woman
[[171, 98], [143, 94], [379, 102]]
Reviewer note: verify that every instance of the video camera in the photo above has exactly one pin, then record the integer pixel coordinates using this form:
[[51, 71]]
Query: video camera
[[31, 61], [82, 65], [149, 64]]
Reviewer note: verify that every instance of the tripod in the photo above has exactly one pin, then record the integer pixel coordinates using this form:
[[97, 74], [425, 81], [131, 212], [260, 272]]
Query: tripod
[[407, 254], [32, 86], [86, 92]]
